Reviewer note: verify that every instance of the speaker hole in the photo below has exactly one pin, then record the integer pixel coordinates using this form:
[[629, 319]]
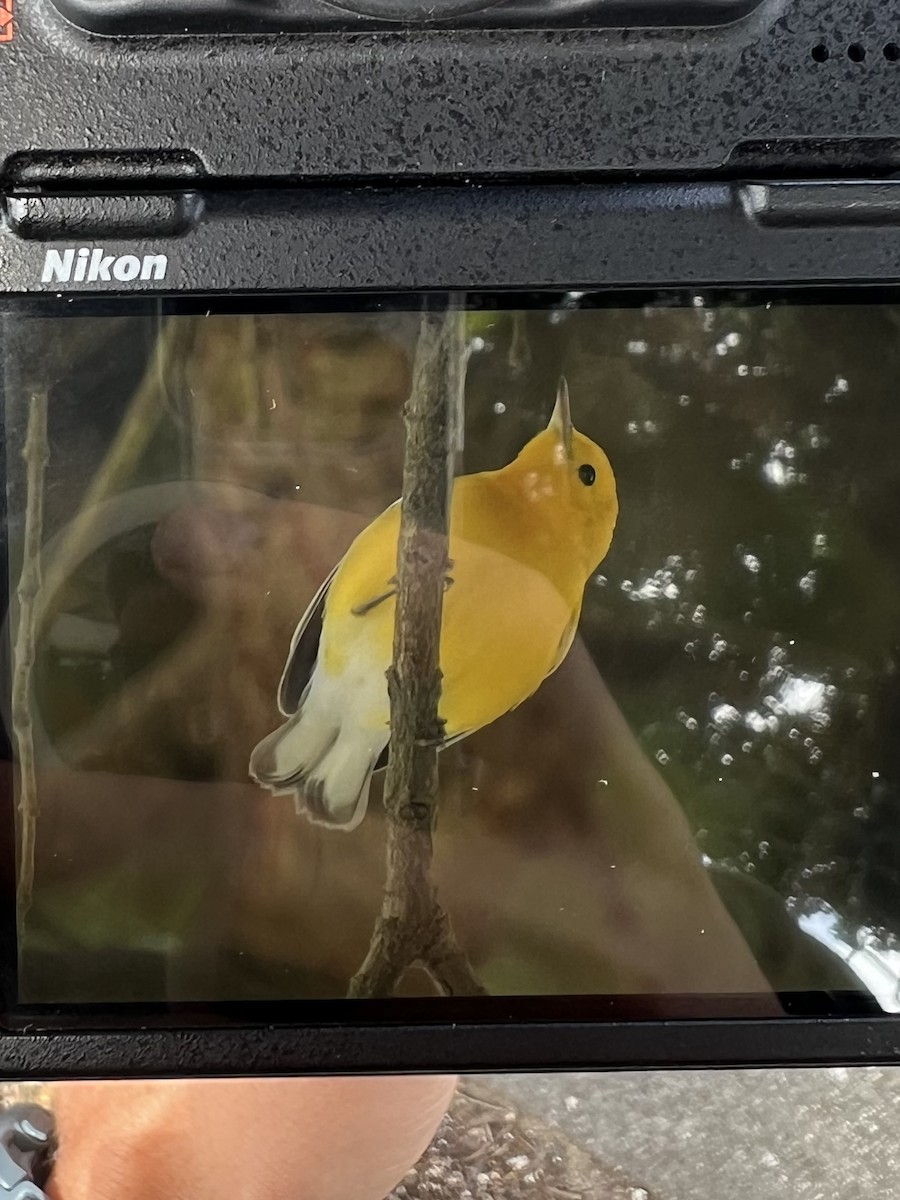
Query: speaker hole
[[856, 52], [820, 52], [892, 52]]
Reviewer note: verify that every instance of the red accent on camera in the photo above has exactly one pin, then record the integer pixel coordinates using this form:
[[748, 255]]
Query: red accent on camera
[[6, 20]]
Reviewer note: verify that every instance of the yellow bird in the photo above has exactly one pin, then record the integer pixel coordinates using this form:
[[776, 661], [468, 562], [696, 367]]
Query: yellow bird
[[524, 540]]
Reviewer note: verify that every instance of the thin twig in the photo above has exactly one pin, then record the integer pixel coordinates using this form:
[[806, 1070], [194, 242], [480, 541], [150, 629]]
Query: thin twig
[[35, 454], [412, 929]]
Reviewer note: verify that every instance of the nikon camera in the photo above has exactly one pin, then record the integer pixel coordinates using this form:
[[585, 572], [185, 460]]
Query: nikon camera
[[449, 548]]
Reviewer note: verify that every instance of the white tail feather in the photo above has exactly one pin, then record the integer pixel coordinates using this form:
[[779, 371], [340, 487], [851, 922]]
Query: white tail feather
[[294, 749], [337, 791], [324, 757]]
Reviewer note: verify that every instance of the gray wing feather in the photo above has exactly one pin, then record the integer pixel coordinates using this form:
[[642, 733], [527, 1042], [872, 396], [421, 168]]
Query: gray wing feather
[[303, 652]]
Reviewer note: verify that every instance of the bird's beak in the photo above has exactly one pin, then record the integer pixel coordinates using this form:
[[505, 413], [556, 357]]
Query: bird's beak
[[561, 420]]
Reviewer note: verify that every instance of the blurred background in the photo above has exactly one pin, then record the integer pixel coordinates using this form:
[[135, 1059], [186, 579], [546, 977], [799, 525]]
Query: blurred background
[[704, 798]]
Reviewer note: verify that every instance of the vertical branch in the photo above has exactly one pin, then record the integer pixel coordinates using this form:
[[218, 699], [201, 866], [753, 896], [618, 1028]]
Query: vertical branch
[[36, 453], [141, 421], [412, 929]]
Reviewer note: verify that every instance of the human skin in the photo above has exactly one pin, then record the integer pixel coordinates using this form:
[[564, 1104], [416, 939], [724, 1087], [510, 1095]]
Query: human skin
[[256, 1139]]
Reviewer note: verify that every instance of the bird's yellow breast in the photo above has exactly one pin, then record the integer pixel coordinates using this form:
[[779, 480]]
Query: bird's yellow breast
[[507, 622]]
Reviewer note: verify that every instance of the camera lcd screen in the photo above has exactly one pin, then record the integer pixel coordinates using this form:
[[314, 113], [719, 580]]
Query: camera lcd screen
[[670, 650]]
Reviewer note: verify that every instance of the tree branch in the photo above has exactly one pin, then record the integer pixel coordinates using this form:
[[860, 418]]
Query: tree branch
[[35, 454], [412, 930]]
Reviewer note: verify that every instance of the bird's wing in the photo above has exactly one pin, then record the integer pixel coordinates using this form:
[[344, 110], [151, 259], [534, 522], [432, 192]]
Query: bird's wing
[[304, 649], [303, 652]]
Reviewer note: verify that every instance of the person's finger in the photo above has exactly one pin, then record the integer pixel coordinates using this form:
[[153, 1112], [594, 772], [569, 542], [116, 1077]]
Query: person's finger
[[258, 1139]]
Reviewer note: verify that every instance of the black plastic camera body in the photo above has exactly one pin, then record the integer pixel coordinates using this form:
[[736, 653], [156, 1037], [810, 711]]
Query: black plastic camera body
[[255, 147], [551, 144]]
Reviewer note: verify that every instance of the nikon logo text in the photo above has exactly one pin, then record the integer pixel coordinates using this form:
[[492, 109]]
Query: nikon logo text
[[95, 266]]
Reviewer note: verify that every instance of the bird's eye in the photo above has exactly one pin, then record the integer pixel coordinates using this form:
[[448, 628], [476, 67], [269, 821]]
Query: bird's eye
[[587, 474]]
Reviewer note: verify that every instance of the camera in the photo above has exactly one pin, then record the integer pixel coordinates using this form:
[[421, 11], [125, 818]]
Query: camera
[[450, 566]]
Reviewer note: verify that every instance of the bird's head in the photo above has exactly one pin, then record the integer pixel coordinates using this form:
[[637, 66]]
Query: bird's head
[[563, 468]]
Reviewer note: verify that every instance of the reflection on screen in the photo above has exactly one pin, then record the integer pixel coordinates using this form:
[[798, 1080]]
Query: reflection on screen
[[690, 789]]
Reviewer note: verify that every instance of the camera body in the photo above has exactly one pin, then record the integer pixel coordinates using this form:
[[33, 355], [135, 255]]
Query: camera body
[[145, 141], [218, 150]]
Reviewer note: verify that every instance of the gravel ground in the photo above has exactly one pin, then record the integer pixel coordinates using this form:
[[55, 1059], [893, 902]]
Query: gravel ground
[[487, 1149], [823, 1134]]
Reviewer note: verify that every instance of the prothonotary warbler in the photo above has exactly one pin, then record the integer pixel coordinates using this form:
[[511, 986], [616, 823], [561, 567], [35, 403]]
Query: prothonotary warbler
[[523, 542]]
